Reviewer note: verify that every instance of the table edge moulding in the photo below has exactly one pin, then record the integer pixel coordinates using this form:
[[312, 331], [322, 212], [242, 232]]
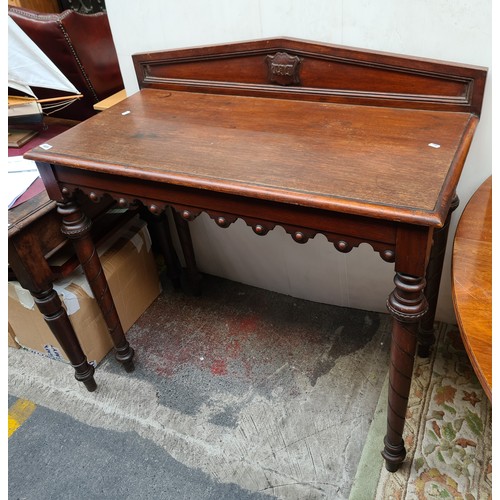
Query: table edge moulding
[[358, 145]]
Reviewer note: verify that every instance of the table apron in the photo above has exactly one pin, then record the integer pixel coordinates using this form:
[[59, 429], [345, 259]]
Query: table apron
[[344, 230]]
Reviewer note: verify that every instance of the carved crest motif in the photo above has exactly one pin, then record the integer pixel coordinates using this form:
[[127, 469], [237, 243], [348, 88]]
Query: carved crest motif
[[283, 69]]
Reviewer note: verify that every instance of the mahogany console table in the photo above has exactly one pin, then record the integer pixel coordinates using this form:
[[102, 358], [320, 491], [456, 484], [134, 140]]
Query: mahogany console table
[[357, 145], [471, 280]]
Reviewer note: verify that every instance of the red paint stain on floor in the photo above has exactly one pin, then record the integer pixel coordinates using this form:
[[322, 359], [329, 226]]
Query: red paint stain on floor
[[247, 340], [225, 344], [219, 367], [246, 324]]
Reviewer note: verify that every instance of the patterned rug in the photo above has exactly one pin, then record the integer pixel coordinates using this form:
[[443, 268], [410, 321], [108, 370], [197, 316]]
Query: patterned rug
[[448, 434]]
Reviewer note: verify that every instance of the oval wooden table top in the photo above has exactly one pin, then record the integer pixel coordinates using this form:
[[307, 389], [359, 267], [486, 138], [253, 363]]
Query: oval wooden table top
[[471, 282]]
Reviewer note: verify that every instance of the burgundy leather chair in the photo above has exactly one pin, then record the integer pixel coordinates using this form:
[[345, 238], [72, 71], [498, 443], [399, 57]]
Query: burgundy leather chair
[[82, 47]]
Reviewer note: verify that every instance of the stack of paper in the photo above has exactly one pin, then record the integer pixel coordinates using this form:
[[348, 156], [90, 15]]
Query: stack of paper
[[21, 175]]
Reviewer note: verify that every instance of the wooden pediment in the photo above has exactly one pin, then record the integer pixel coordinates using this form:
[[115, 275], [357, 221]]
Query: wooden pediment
[[296, 69]]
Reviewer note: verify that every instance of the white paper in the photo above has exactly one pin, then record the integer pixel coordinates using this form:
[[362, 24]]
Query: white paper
[[21, 175]]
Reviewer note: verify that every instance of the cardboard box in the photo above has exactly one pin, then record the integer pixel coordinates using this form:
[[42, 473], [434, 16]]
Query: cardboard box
[[129, 267]]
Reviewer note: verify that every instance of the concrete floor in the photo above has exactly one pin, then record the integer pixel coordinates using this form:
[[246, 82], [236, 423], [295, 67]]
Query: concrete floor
[[240, 393]]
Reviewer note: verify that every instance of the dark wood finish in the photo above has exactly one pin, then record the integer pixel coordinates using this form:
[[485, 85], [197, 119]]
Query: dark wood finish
[[323, 72], [160, 233], [356, 145], [426, 336], [472, 284], [386, 147], [76, 226], [193, 277], [34, 233], [407, 304]]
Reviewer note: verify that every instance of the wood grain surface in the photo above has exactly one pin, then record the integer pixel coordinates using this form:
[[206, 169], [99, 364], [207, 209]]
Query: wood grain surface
[[353, 159], [472, 284]]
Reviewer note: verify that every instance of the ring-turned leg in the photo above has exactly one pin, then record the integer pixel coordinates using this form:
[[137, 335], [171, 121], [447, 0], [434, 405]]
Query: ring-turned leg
[[50, 306], [426, 335], [33, 273], [76, 226], [407, 304]]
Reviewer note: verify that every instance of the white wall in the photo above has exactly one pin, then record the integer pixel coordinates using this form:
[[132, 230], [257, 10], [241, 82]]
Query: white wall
[[453, 30]]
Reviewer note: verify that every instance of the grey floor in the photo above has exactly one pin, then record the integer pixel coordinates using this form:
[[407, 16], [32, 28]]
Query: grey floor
[[240, 393], [55, 456]]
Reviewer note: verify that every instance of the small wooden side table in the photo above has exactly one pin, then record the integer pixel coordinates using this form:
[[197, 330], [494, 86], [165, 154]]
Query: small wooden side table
[[471, 281]]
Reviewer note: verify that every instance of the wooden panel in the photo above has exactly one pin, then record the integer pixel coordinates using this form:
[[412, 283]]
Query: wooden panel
[[322, 73]]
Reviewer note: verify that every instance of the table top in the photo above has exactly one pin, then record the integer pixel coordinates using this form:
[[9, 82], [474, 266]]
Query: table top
[[472, 286], [363, 160], [31, 210]]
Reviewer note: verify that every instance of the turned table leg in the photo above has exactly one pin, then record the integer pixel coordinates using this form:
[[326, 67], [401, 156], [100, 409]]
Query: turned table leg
[[33, 273], [50, 306], [426, 335], [193, 275], [407, 304], [76, 226]]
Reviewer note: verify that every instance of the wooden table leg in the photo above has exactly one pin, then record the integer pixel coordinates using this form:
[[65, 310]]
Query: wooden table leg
[[50, 306], [76, 226], [193, 275], [407, 304], [34, 274], [160, 234], [426, 337]]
